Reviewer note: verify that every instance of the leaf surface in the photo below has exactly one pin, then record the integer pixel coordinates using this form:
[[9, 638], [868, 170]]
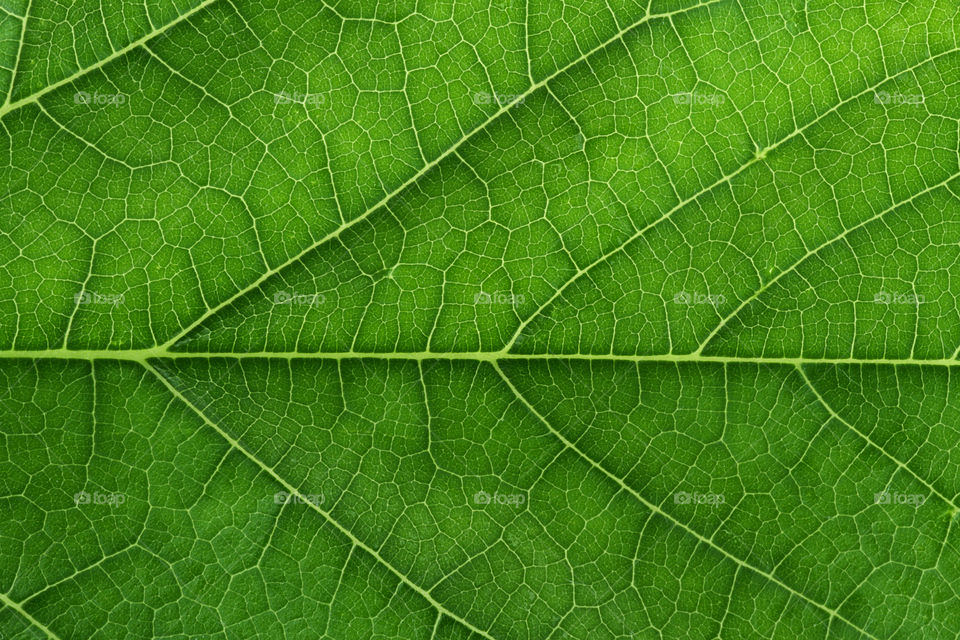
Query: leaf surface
[[469, 320]]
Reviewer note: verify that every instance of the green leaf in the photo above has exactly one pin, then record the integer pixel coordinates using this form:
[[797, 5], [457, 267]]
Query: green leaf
[[603, 319]]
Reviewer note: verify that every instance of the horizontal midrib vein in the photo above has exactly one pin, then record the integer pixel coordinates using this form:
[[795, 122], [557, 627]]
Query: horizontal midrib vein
[[142, 355]]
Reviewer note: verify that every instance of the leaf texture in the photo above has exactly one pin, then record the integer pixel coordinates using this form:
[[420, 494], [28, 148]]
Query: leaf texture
[[512, 320]]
